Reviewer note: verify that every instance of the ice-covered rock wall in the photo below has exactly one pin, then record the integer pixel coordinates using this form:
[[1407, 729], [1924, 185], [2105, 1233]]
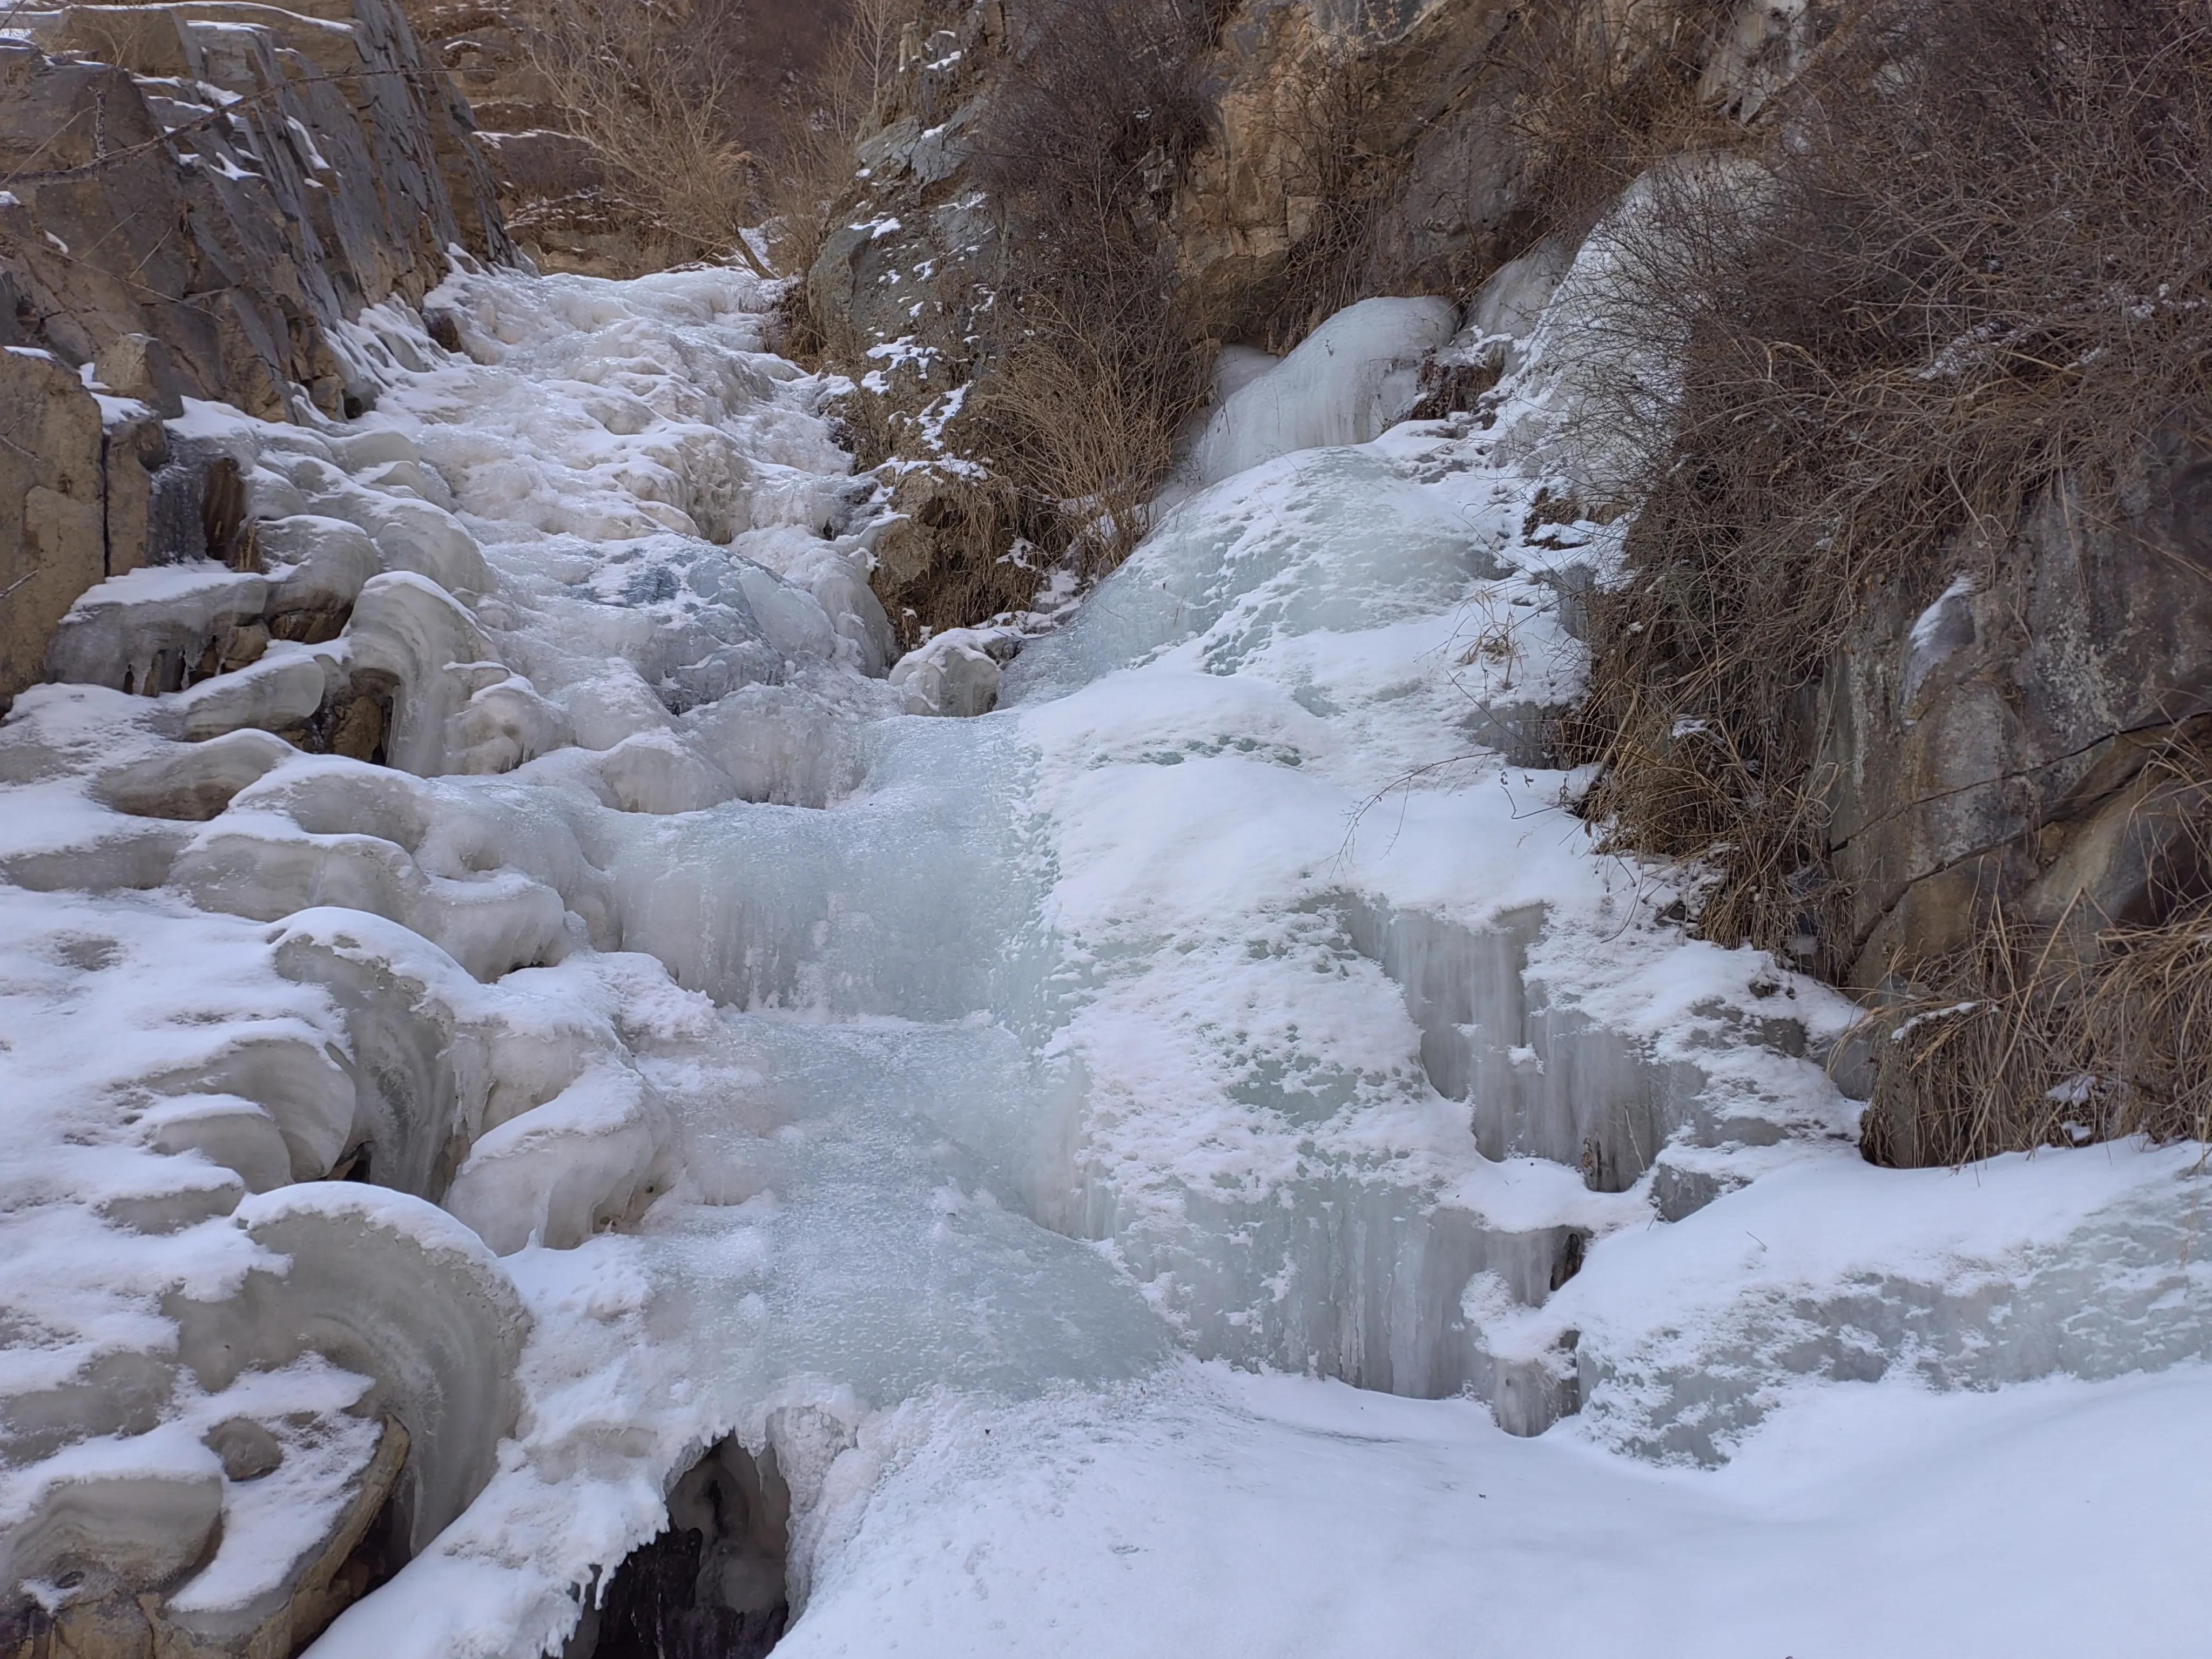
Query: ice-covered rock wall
[[264, 1351]]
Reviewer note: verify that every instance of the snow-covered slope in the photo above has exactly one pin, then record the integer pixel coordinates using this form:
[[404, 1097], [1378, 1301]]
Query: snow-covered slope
[[636, 1030]]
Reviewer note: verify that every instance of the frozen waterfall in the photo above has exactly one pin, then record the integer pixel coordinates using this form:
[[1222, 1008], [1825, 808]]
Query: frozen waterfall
[[511, 1023]]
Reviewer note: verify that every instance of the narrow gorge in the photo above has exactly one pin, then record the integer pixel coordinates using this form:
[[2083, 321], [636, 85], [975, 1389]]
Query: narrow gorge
[[1016, 920]]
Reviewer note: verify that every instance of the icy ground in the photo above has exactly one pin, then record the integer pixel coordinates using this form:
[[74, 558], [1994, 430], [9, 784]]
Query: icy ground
[[1146, 1160]]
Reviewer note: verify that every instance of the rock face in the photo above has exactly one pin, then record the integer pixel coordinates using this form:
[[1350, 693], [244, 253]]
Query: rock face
[[199, 197], [2000, 739], [202, 199], [53, 487], [552, 186], [1347, 151]]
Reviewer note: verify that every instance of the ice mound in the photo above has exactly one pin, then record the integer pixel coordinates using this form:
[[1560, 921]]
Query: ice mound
[[1356, 374]]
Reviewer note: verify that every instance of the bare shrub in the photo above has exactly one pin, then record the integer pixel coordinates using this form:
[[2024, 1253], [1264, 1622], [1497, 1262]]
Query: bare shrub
[[1090, 371], [1087, 426], [1099, 109], [651, 90], [1977, 265], [1975, 1061], [2149, 1023], [2013, 1042], [1604, 91], [810, 161]]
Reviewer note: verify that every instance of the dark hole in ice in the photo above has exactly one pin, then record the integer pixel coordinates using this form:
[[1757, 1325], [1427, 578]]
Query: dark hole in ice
[[1569, 1262], [222, 507], [712, 1585], [354, 721]]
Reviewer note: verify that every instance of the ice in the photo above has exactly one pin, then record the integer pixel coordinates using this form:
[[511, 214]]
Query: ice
[[1356, 374], [520, 999], [954, 673]]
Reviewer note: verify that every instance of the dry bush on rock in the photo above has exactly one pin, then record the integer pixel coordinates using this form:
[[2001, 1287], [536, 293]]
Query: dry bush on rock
[[649, 86], [809, 162], [1976, 270], [1095, 373], [1085, 425], [1979, 262], [2022, 1039], [1603, 93], [1083, 373]]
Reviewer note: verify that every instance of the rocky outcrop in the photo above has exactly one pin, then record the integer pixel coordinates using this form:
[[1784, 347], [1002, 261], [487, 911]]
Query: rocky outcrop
[[2001, 739], [561, 204], [53, 490], [200, 197]]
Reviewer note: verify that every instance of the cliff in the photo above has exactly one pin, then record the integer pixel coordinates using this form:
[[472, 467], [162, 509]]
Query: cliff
[[198, 200]]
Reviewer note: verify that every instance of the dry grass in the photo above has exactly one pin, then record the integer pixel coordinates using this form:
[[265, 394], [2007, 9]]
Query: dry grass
[[1085, 427], [2089, 1029], [806, 167], [1082, 372], [650, 87], [1980, 265], [1095, 372], [2015, 1043]]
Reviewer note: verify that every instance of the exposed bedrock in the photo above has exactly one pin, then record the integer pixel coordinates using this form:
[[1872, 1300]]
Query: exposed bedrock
[[200, 197], [1996, 729]]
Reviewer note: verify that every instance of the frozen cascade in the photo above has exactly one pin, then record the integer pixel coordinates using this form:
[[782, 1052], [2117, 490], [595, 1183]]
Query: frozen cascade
[[568, 1035]]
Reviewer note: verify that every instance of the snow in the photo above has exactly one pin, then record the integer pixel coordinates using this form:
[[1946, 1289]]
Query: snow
[[1224, 1514], [1176, 1138]]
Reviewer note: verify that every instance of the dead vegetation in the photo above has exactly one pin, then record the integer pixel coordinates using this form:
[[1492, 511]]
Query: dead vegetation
[[1082, 370], [631, 135], [1341, 183], [1100, 110], [1941, 297], [2049, 1037], [650, 92], [804, 169], [1605, 91], [1976, 268]]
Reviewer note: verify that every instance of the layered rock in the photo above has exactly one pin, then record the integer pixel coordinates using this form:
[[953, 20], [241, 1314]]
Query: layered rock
[[201, 198], [2002, 738]]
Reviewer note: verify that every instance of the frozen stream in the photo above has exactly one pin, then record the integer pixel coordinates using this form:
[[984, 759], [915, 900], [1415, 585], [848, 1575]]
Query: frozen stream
[[1139, 1165]]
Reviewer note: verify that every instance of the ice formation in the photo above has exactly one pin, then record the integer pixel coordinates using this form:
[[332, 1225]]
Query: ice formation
[[518, 1013], [1356, 374]]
